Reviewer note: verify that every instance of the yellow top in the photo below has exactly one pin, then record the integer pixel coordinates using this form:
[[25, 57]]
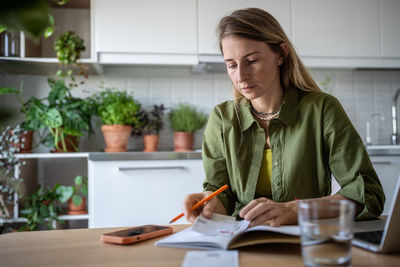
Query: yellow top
[[263, 188]]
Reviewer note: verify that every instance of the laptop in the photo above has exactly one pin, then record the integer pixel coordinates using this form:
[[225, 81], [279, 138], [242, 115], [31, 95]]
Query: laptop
[[381, 235]]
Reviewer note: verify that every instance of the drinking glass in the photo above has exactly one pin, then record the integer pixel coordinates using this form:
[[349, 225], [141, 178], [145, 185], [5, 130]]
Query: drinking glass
[[326, 228]]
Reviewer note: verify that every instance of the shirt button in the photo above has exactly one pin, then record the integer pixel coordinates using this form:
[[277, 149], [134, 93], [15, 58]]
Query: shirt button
[[276, 163], [276, 145], [278, 183]]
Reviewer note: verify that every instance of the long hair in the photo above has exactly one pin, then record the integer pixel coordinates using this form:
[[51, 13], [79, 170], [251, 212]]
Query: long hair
[[257, 24]]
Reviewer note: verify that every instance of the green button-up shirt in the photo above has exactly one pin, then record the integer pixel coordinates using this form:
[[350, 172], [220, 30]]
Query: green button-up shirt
[[311, 139]]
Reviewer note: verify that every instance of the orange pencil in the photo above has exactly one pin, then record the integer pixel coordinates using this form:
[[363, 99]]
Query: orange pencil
[[201, 202]]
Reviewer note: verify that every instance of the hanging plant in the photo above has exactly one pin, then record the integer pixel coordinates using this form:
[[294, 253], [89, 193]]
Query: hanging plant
[[68, 47]]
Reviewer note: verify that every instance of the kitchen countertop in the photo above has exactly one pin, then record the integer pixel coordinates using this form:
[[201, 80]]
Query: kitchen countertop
[[159, 155], [375, 150], [102, 156], [384, 150]]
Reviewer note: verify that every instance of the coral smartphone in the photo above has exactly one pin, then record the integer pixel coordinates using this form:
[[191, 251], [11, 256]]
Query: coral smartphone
[[135, 234]]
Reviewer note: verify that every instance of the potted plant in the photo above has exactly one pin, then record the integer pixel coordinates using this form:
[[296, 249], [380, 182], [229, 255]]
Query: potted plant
[[63, 117], [10, 182], [185, 120], [68, 47], [151, 123], [28, 126], [75, 195], [118, 111], [41, 209]]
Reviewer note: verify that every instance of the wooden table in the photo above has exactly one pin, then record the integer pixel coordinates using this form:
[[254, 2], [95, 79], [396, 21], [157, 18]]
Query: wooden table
[[82, 247]]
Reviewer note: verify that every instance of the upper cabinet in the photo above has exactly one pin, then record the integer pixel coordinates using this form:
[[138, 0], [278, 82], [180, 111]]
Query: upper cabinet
[[145, 32], [331, 29], [210, 12], [390, 17], [325, 33], [347, 34]]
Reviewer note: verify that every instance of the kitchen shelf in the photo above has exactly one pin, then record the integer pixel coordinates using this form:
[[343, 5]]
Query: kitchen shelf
[[52, 155], [68, 217], [43, 66], [384, 150], [96, 156], [65, 217]]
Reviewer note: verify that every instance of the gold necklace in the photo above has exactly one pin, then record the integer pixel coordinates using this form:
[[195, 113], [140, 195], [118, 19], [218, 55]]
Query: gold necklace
[[264, 113], [265, 118]]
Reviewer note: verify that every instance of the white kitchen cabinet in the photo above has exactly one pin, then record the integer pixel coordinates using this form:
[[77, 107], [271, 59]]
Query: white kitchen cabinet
[[210, 12], [325, 33], [135, 192], [325, 28], [388, 170], [145, 32], [390, 17]]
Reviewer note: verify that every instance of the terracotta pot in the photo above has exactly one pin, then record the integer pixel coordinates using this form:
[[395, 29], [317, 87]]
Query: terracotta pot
[[73, 209], [24, 146], [183, 141], [116, 137], [150, 142], [71, 144]]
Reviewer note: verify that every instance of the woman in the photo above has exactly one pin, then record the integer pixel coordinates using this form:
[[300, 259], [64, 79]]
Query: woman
[[281, 138]]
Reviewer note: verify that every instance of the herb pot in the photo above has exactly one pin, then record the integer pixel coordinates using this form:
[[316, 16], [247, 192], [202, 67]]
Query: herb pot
[[25, 142], [74, 209], [116, 137], [183, 141], [150, 142]]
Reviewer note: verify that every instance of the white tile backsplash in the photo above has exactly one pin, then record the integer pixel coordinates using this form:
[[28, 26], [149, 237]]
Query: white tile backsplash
[[361, 92]]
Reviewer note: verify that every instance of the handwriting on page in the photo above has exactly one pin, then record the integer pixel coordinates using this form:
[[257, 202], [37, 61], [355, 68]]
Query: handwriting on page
[[219, 225]]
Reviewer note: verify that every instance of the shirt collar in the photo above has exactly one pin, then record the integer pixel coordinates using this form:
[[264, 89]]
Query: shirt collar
[[287, 114]]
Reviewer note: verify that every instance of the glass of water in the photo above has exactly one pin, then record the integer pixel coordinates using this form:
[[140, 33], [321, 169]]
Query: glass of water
[[326, 228]]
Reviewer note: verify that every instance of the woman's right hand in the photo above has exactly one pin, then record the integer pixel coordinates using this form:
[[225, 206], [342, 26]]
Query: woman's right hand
[[212, 206]]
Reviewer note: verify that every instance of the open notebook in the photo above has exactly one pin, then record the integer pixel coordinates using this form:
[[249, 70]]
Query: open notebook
[[224, 232]]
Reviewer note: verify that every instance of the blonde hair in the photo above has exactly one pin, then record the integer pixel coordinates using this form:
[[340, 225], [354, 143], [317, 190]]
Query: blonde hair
[[257, 24]]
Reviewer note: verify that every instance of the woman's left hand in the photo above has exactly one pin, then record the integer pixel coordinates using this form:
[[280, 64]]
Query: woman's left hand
[[264, 211]]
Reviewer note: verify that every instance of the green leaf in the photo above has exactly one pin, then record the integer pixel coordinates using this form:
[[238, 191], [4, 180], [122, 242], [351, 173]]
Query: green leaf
[[2, 28], [77, 200], [65, 193], [78, 180], [54, 118], [28, 16], [8, 90], [84, 190], [48, 32], [186, 118], [44, 212], [58, 91]]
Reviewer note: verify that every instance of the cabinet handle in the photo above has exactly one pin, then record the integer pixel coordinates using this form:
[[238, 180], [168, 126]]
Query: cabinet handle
[[151, 168], [382, 162]]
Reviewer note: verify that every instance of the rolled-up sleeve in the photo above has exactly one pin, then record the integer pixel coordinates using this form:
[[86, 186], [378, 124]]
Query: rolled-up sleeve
[[349, 161]]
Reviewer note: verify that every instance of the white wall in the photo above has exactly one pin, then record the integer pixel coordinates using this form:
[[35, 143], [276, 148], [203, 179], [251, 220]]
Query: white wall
[[361, 93]]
